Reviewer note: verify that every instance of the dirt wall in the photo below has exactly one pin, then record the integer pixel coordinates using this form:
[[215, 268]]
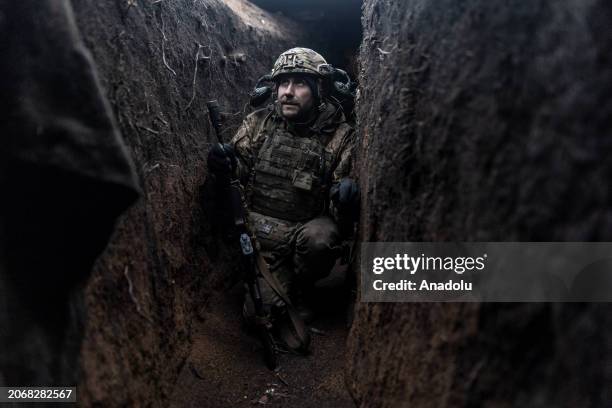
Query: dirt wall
[[159, 63], [484, 120]]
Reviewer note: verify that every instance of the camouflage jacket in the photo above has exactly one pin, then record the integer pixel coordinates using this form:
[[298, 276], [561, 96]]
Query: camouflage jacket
[[287, 171]]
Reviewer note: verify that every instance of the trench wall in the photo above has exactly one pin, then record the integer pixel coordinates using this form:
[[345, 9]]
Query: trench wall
[[159, 62], [484, 120]]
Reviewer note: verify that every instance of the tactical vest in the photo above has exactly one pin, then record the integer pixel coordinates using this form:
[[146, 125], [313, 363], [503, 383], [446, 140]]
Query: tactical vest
[[291, 176]]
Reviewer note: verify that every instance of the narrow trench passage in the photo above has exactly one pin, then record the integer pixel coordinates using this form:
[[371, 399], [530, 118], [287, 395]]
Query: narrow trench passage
[[479, 121], [225, 366]]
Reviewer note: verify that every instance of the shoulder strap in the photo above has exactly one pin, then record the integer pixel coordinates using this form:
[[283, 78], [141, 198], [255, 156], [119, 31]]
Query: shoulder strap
[[256, 148]]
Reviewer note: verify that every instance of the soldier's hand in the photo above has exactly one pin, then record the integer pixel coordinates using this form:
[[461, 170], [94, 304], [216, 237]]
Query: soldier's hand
[[345, 197], [345, 193], [221, 159]]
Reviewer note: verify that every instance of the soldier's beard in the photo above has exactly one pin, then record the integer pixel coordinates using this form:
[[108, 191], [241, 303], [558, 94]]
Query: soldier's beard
[[297, 113]]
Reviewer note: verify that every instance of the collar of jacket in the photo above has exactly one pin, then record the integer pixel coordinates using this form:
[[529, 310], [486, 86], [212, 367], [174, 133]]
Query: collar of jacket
[[326, 122]]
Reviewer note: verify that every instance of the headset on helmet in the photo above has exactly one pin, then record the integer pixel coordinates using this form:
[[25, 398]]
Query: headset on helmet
[[306, 61]]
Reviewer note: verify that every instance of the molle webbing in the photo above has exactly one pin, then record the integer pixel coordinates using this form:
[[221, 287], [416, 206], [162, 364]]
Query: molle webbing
[[288, 181]]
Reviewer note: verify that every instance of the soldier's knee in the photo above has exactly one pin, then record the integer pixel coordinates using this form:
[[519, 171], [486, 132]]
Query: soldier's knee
[[318, 237], [317, 245]]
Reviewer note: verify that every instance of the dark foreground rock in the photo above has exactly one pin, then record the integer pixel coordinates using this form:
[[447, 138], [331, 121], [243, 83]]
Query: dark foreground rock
[[484, 120], [65, 177]]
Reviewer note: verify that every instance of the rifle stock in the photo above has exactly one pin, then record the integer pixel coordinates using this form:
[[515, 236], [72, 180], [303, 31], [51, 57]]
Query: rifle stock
[[248, 251]]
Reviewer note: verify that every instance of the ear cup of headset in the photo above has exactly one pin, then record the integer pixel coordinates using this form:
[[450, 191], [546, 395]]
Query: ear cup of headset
[[261, 93], [343, 84], [339, 86]]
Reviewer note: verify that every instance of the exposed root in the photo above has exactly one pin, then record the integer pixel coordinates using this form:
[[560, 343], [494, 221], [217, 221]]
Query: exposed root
[[155, 132], [164, 39], [198, 56], [147, 169], [131, 292]]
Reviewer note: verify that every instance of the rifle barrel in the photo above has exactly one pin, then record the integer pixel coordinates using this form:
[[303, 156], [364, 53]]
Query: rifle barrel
[[215, 117]]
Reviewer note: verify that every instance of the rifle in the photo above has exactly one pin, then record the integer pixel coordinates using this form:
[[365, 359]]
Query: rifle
[[250, 258]]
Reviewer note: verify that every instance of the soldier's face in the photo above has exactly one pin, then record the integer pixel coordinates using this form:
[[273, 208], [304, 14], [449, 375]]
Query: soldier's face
[[295, 97]]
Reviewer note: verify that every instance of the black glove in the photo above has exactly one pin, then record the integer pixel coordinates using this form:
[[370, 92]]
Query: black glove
[[222, 160], [345, 196]]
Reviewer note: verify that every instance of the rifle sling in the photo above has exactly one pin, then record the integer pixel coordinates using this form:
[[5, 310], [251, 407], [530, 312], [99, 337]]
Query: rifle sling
[[296, 320]]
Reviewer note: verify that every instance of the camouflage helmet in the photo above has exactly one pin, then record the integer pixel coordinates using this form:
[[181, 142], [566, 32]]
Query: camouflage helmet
[[298, 60]]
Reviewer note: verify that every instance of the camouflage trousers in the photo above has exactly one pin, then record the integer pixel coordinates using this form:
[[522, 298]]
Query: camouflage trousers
[[298, 254]]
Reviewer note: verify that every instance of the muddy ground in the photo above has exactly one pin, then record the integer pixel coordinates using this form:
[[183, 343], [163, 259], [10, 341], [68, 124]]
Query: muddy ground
[[225, 367]]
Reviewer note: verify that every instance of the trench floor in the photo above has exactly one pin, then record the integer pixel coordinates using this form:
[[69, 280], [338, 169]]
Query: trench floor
[[225, 367]]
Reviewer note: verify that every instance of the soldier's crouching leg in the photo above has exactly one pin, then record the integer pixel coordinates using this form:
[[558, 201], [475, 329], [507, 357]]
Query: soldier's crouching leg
[[317, 247], [269, 297]]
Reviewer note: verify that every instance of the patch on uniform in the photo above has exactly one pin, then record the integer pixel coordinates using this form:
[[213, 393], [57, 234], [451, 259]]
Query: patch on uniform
[[265, 228], [302, 180], [245, 244], [289, 60]]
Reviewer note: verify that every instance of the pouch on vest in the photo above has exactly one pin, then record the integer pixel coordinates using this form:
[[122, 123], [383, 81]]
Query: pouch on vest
[[302, 180]]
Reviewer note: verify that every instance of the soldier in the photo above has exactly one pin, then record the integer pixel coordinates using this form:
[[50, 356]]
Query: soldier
[[293, 158]]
